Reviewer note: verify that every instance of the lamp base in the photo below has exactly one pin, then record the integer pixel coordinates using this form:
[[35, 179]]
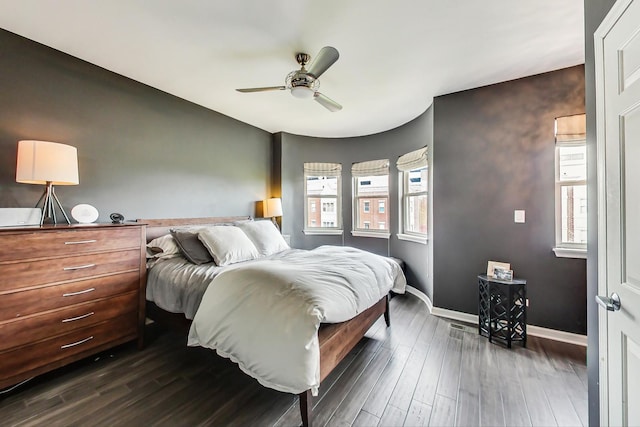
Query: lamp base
[[49, 201]]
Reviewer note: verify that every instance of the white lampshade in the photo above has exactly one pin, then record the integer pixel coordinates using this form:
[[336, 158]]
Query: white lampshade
[[42, 161], [272, 207]]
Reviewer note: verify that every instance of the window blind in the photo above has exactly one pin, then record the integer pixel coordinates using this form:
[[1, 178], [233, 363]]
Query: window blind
[[571, 128], [413, 160], [323, 169], [371, 168]]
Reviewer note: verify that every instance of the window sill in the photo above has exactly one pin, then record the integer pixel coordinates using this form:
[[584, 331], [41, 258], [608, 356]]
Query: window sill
[[412, 238], [570, 253], [321, 232], [377, 235]]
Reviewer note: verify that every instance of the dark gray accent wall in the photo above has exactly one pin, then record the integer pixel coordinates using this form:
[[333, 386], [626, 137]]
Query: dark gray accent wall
[[494, 153], [296, 150], [594, 13], [142, 152]]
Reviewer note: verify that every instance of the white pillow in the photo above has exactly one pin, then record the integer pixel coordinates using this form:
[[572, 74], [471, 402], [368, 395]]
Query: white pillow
[[265, 236], [228, 245], [163, 247]]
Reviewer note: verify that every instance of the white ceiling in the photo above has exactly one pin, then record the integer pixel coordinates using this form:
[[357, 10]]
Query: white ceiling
[[395, 56]]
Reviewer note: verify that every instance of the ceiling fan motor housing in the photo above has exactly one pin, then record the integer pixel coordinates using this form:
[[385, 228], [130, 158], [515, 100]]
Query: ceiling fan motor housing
[[301, 84]]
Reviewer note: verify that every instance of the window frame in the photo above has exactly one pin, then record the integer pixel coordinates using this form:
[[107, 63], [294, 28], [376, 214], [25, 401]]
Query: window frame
[[570, 131], [566, 249], [405, 195], [320, 229], [372, 231]]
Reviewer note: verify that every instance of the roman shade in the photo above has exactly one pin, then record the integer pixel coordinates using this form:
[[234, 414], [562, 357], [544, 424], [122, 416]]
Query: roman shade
[[414, 160], [323, 169], [571, 128], [371, 168]]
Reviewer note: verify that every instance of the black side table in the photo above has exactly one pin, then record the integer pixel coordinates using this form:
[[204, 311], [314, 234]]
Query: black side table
[[502, 309]]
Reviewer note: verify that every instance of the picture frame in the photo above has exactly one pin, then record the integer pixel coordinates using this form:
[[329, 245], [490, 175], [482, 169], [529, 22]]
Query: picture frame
[[502, 274], [491, 266]]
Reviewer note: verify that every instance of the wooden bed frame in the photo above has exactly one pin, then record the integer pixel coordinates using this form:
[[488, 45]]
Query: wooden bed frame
[[336, 339]]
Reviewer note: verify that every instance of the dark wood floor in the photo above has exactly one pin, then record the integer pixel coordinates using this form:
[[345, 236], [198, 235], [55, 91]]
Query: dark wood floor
[[422, 371]]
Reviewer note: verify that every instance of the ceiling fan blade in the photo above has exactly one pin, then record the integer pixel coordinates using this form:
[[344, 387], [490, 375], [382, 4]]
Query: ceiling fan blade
[[325, 59], [261, 89], [327, 103]]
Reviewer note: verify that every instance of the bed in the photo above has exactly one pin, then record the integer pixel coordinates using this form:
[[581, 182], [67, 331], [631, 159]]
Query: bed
[[287, 332]]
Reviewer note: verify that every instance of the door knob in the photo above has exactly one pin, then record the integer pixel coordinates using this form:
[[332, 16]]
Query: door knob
[[610, 303]]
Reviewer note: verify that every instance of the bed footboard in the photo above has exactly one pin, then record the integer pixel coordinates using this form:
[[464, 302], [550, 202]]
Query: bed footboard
[[336, 341]]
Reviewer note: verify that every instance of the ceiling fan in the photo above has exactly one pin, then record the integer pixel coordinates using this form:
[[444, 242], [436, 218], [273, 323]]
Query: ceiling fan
[[304, 83]]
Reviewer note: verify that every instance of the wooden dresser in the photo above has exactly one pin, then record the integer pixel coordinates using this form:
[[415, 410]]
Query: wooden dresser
[[67, 292]]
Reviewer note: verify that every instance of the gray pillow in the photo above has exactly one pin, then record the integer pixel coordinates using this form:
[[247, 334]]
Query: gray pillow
[[191, 247]]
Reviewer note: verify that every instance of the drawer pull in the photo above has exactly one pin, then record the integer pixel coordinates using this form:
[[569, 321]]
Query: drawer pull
[[73, 319], [73, 344], [70, 294], [80, 242], [78, 267]]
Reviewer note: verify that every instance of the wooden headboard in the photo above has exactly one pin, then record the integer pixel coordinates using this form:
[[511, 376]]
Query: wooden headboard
[[160, 227]]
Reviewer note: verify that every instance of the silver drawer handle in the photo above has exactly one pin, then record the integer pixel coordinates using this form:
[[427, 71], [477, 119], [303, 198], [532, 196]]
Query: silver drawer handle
[[80, 242], [70, 294], [73, 319], [73, 344], [78, 267]]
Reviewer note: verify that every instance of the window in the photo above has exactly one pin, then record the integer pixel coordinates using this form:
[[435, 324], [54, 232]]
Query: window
[[322, 192], [370, 187], [414, 196], [571, 186]]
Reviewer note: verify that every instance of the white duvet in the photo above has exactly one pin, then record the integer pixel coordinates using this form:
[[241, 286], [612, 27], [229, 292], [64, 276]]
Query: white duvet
[[264, 315]]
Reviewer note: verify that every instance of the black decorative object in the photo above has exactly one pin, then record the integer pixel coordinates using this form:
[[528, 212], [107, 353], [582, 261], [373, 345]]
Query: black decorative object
[[116, 218], [502, 309]]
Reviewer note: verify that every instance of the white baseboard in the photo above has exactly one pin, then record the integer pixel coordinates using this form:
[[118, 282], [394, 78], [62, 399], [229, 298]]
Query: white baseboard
[[421, 296], [535, 331]]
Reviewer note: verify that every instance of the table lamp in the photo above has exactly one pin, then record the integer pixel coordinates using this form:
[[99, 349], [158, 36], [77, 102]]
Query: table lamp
[[272, 208], [47, 163]]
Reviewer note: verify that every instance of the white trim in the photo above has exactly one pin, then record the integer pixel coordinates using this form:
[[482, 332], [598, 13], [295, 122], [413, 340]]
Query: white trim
[[421, 296], [455, 315], [570, 253], [535, 331], [378, 235], [412, 238], [556, 335], [322, 232]]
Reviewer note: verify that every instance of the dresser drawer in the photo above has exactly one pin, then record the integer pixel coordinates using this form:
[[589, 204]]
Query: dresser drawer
[[27, 302], [25, 274], [30, 357], [21, 331], [45, 244]]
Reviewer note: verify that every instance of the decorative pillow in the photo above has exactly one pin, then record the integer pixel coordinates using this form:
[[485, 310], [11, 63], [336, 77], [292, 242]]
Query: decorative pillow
[[228, 245], [162, 247], [265, 236], [191, 247]]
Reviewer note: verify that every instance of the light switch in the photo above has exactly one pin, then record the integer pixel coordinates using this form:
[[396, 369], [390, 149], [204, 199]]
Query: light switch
[[518, 216]]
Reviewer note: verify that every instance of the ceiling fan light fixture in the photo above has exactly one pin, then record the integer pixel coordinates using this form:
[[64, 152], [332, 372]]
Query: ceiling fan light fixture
[[302, 92]]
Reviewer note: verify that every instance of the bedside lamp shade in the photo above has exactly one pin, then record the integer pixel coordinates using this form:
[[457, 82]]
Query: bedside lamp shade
[[40, 162], [272, 207], [49, 164]]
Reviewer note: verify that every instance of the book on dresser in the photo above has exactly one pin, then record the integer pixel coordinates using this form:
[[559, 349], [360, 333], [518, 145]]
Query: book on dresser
[[67, 292]]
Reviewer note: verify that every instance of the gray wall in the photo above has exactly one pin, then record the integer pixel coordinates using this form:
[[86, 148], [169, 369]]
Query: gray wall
[[594, 13], [142, 152], [494, 153], [296, 150]]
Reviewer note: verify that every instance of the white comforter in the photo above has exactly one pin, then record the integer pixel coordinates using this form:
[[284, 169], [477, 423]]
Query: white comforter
[[264, 315]]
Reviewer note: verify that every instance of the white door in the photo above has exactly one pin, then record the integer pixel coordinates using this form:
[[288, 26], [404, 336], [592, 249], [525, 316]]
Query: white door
[[618, 104]]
